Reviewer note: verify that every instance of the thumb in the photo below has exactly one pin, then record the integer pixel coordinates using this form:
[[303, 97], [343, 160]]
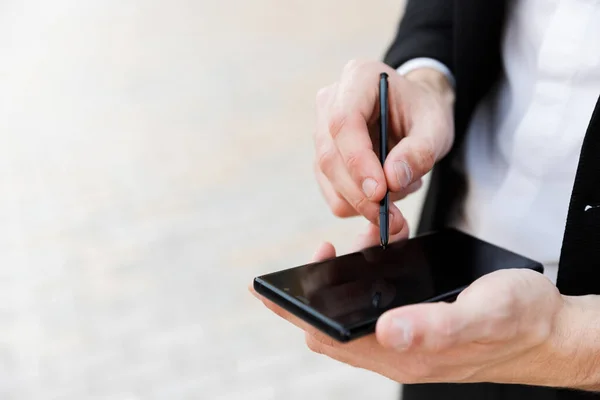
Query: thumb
[[411, 159], [431, 327], [324, 252]]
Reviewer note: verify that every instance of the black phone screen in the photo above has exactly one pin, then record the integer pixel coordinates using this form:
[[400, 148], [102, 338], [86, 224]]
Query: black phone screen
[[357, 287]]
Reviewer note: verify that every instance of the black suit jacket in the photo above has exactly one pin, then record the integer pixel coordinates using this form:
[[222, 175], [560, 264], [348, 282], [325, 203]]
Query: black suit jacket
[[466, 36]]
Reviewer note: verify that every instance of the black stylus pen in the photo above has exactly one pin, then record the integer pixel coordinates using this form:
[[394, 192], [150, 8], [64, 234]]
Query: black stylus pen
[[383, 139]]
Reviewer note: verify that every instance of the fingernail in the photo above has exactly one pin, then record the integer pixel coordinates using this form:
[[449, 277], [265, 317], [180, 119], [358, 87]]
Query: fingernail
[[368, 186], [403, 173], [401, 332]]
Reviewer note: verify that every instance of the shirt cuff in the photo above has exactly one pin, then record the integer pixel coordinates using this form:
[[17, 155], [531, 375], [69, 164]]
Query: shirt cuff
[[424, 62]]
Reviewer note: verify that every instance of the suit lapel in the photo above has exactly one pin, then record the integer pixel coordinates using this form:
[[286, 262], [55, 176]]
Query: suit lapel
[[579, 267]]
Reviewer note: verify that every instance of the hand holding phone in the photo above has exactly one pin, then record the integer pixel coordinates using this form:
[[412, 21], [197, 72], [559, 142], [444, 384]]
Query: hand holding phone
[[505, 325], [344, 296]]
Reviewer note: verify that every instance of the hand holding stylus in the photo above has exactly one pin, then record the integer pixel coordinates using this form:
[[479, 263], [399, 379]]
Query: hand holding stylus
[[420, 127]]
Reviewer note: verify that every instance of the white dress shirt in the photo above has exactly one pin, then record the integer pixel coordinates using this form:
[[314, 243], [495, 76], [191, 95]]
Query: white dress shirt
[[522, 147]]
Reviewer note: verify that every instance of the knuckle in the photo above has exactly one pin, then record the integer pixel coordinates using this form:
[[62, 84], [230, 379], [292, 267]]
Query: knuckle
[[353, 161], [336, 123], [325, 159], [424, 149], [360, 203]]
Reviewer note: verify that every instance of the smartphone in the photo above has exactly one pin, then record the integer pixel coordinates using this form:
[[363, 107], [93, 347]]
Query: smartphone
[[344, 296]]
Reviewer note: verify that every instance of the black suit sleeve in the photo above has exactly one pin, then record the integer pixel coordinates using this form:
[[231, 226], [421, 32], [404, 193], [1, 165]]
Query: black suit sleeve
[[425, 30]]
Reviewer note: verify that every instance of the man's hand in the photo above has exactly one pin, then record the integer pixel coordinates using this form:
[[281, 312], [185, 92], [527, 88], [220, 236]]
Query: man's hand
[[346, 164], [510, 326]]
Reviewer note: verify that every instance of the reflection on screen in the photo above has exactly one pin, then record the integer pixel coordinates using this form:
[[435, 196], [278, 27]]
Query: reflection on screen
[[360, 286]]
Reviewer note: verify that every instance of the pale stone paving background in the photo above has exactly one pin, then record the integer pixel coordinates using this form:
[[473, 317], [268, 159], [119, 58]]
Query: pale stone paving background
[[154, 157]]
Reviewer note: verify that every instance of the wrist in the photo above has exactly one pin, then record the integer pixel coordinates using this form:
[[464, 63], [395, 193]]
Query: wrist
[[433, 80], [575, 345]]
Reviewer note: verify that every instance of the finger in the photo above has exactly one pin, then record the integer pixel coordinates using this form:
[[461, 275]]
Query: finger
[[324, 252], [341, 208], [331, 164], [398, 230], [355, 104], [325, 155], [431, 327], [332, 167], [413, 187], [411, 159], [396, 196], [348, 129], [338, 205]]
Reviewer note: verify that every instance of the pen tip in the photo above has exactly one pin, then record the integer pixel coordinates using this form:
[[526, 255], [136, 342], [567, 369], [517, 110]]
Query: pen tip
[[383, 75]]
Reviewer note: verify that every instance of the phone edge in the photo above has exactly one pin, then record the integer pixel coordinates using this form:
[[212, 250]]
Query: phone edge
[[299, 309], [337, 331]]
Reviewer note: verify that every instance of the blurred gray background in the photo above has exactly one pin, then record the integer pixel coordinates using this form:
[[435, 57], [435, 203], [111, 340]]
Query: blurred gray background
[[148, 150]]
